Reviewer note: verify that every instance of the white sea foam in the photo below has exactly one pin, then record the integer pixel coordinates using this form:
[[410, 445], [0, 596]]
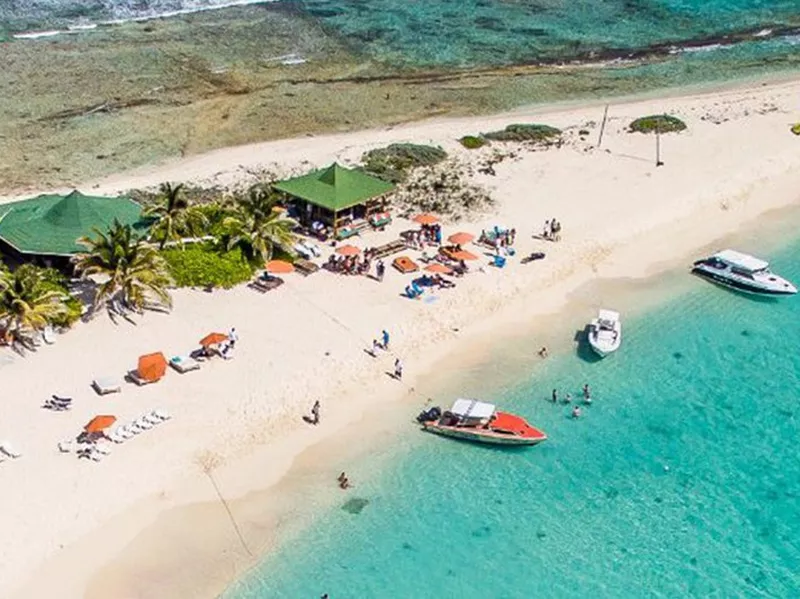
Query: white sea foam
[[133, 17]]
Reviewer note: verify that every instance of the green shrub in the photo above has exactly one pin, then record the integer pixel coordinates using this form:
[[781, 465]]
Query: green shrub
[[663, 123], [201, 265], [394, 162], [472, 142], [533, 132], [796, 128]]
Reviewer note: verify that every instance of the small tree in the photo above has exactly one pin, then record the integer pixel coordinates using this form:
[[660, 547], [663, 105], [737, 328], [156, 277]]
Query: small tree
[[259, 225]]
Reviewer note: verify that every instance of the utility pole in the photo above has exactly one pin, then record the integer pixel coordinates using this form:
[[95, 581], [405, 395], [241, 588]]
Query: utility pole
[[602, 127]]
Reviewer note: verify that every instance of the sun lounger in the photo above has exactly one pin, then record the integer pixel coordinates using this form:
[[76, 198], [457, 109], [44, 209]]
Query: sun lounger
[[66, 446], [96, 455], [263, 285], [142, 424], [58, 404], [163, 415], [106, 384], [405, 264], [7, 448], [133, 376], [152, 419], [115, 437], [102, 448], [304, 267], [126, 432], [49, 335], [184, 364]]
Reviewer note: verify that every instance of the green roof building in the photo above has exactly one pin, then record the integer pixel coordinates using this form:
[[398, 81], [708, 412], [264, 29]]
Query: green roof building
[[338, 196], [50, 225]]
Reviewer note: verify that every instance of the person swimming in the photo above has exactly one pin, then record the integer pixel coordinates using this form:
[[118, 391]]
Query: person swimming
[[568, 398], [576, 412]]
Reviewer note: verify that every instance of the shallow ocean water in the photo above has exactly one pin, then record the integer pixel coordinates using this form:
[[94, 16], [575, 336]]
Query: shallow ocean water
[[681, 480]]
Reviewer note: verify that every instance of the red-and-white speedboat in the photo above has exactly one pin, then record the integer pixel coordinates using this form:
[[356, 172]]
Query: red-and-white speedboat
[[478, 421]]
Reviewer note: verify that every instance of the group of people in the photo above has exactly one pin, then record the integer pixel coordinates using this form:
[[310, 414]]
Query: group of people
[[344, 482], [552, 230], [498, 238], [426, 235], [576, 411], [348, 265]]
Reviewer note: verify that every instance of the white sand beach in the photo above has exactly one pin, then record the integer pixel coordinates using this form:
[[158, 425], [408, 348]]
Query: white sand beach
[[65, 519]]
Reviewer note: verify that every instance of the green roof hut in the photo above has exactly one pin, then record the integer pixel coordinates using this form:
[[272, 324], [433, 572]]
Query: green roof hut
[[50, 225], [347, 200]]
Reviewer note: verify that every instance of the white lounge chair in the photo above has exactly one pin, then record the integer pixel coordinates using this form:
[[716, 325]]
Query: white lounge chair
[[184, 364], [152, 419], [96, 456], [7, 448], [49, 335], [115, 436], [102, 448], [143, 424], [162, 414], [135, 429], [66, 446], [106, 384]]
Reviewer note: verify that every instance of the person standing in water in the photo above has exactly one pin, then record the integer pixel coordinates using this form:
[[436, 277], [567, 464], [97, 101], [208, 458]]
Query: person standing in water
[[555, 396], [587, 395]]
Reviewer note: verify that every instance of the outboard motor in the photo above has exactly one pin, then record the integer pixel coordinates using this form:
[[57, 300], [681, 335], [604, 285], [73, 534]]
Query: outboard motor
[[429, 415]]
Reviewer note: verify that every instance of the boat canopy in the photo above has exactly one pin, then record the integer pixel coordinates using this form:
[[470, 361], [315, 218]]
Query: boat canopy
[[740, 260], [472, 408], [608, 317]]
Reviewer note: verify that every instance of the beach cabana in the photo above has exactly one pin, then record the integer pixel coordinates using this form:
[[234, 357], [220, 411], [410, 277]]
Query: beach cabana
[[343, 199], [49, 226]]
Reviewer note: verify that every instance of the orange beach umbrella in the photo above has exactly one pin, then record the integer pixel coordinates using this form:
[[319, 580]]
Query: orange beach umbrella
[[460, 238], [426, 219], [348, 250], [213, 339], [279, 267], [99, 423], [439, 268], [152, 366], [463, 255]]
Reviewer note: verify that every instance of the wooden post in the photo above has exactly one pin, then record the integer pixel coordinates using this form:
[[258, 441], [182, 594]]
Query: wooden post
[[658, 145], [602, 126]]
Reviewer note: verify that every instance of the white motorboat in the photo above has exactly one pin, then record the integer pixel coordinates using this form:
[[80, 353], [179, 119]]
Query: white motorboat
[[605, 333], [742, 272]]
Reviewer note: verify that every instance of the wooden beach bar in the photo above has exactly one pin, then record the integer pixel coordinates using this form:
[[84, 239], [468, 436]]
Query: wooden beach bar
[[343, 200]]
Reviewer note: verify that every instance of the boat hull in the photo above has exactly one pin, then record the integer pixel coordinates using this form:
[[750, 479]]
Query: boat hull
[[740, 286], [601, 350], [481, 435]]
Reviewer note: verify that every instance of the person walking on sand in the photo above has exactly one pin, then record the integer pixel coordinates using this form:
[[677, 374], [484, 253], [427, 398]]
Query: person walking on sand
[[376, 345], [232, 337], [380, 270], [398, 369], [546, 231], [385, 339]]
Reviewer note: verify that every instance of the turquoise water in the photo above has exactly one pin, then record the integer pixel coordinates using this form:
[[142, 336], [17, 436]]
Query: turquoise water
[[681, 480]]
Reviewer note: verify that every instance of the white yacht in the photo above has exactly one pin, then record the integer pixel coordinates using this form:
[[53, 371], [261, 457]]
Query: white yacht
[[742, 272], [605, 333]]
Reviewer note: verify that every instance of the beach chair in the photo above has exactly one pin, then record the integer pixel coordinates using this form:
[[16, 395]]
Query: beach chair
[[7, 448], [115, 437], [133, 376], [58, 404], [142, 424], [304, 267], [66, 446], [106, 384], [163, 415], [102, 448], [96, 455], [49, 335], [126, 432], [263, 285], [499, 261], [184, 364], [152, 419]]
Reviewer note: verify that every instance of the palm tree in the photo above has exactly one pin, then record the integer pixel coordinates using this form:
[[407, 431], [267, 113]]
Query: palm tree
[[258, 225], [174, 216], [26, 304], [135, 274]]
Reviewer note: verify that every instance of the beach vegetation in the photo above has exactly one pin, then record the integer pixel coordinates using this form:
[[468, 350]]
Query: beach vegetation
[[472, 142], [32, 298], [796, 128], [525, 132], [394, 162], [174, 217], [258, 225], [206, 265], [442, 189], [662, 123], [133, 276]]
